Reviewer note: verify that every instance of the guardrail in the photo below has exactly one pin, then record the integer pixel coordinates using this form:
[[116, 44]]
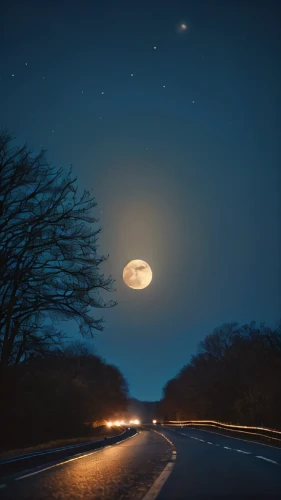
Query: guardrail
[[250, 430], [39, 458]]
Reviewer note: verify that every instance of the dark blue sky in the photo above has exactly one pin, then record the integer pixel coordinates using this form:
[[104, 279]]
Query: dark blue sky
[[183, 156]]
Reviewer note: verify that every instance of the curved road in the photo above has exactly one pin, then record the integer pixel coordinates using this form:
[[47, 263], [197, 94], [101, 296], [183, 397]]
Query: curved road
[[208, 466], [121, 471]]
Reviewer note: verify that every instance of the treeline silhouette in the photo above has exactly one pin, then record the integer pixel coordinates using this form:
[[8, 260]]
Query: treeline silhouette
[[59, 394], [50, 271], [235, 377]]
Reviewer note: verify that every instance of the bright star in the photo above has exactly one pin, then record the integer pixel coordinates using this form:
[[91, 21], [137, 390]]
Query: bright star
[[181, 27]]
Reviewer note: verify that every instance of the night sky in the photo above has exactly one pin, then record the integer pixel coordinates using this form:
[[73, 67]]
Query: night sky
[[177, 131]]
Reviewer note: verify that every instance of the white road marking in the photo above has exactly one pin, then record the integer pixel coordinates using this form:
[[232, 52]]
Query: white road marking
[[57, 465], [232, 437], [52, 450], [69, 460], [47, 452], [153, 492], [267, 459], [227, 447], [163, 435]]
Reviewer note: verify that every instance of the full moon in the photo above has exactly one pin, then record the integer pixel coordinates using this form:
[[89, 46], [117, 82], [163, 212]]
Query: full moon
[[137, 274]]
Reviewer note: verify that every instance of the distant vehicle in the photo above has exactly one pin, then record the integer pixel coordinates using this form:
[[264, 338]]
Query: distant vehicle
[[120, 423]]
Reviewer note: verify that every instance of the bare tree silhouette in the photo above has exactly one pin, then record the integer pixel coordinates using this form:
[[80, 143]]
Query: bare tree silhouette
[[49, 261]]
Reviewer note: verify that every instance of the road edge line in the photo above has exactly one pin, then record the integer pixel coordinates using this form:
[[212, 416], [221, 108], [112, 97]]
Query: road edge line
[[68, 459], [49, 451], [159, 482]]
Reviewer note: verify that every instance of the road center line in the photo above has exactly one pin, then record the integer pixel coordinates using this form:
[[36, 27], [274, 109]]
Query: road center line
[[232, 437], [242, 451], [227, 448], [267, 459]]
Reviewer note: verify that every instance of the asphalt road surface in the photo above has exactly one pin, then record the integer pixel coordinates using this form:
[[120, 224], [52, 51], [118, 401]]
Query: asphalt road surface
[[212, 466], [121, 471], [207, 466]]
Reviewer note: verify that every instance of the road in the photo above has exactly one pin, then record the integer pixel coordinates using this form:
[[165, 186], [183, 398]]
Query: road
[[212, 466], [121, 471], [207, 466]]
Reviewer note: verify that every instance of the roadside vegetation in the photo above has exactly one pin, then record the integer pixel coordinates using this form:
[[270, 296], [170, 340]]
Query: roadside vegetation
[[60, 394], [235, 377], [50, 271]]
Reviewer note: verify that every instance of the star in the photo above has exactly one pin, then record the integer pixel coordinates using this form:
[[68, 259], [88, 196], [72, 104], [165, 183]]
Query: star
[[132, 74], [155, 48], [82, 91], [26, 64], [102, 93], [164, 86], [193, 102], [52, 131], [181, 28], [13, 74]]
